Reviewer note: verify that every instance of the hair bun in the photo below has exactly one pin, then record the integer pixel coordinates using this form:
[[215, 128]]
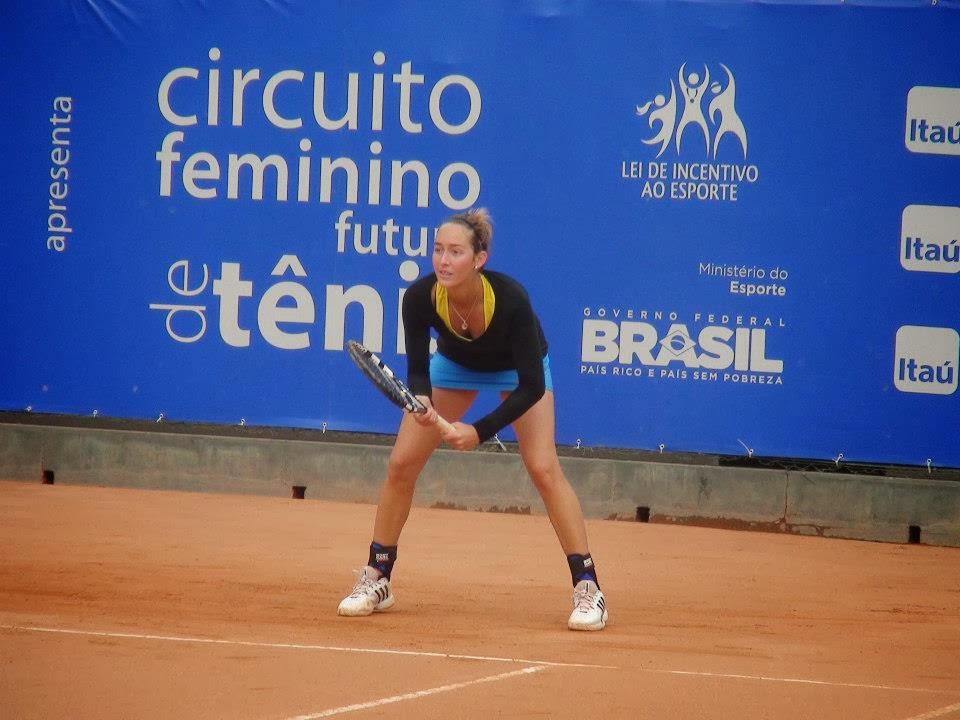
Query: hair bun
[[478, 220]]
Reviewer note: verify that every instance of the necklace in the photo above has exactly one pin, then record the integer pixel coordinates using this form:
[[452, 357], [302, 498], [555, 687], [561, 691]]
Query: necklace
[[464, 325]]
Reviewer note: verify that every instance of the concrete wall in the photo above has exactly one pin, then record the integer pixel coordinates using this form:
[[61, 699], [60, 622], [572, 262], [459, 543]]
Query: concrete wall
[[820, 503]]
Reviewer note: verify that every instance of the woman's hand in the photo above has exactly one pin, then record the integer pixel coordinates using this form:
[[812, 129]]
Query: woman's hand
[[463, 437], [430, 416]]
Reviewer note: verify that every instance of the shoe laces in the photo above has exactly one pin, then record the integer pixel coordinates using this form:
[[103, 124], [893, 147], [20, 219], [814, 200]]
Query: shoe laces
[[584, 596], [364, 582]]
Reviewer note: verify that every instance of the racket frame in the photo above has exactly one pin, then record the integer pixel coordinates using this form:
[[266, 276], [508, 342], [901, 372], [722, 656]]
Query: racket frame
[[384, 379]]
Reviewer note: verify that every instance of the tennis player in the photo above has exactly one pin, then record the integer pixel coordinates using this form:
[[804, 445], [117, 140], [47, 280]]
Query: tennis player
[[488, 338]]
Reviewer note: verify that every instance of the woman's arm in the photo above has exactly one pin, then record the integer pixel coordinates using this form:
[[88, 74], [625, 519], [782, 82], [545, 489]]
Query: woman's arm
[[524, 335], [417, 313]]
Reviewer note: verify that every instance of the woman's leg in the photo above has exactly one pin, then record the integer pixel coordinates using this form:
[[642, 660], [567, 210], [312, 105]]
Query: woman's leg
[[413, 447], [535, 434], [538, 449]]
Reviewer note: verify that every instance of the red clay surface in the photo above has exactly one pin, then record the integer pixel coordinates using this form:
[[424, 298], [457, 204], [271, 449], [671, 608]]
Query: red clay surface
[[148, 604]]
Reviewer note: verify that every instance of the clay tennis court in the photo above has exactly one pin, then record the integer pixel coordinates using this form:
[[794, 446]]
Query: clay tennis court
[[118, 603]]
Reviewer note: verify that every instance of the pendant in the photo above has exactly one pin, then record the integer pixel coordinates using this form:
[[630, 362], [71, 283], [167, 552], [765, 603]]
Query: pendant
[[463, 326]]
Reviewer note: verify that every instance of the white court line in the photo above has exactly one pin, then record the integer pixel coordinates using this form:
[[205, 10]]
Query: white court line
[[418, 694], [801, 681], [937, 713], [299, 646], [486, 658]]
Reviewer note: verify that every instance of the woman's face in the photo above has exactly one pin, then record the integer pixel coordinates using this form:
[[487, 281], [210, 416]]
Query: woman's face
[[454, 260]]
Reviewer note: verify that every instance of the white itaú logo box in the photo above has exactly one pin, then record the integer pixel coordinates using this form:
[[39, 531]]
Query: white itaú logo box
[[925, 360], [930, 238], [933, 120]]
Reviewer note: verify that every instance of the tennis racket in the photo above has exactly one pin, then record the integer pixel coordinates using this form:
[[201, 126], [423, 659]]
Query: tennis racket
[[388, 383]]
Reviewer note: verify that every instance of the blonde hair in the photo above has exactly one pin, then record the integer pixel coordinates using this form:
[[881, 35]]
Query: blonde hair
[[480, 224]]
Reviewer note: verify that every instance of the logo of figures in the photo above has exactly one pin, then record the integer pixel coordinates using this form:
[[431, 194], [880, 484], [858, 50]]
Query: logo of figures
[[682, 112]]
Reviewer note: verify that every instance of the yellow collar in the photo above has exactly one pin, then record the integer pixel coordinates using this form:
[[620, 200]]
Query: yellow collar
[[442, 303]]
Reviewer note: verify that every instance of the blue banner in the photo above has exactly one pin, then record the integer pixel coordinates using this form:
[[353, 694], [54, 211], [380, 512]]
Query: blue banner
[[739, 222]]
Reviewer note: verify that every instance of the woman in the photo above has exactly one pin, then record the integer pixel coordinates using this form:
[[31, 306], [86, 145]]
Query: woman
[[488, 337]]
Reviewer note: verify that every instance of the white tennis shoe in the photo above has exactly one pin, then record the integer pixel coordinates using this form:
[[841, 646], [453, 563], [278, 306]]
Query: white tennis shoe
[[370, 594], [589, 607]]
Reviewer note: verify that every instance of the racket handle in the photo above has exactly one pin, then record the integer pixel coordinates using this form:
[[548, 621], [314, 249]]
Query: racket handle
[[444, 426]]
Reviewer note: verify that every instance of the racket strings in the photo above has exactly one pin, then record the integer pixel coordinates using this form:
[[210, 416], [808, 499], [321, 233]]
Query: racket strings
[[384, 379]]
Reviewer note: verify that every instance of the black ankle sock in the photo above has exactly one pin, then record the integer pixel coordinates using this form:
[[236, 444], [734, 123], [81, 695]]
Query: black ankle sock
[[382, 557], [581, 568]]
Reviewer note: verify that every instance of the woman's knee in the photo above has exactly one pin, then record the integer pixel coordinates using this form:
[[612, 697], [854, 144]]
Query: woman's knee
[[403, 469], [545, 473]]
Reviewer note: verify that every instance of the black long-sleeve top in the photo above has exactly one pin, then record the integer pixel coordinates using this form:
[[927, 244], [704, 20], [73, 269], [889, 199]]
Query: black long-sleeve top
[[513, 340]]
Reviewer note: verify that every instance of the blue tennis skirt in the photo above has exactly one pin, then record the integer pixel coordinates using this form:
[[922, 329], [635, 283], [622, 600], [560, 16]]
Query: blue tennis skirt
[[444, 373]]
